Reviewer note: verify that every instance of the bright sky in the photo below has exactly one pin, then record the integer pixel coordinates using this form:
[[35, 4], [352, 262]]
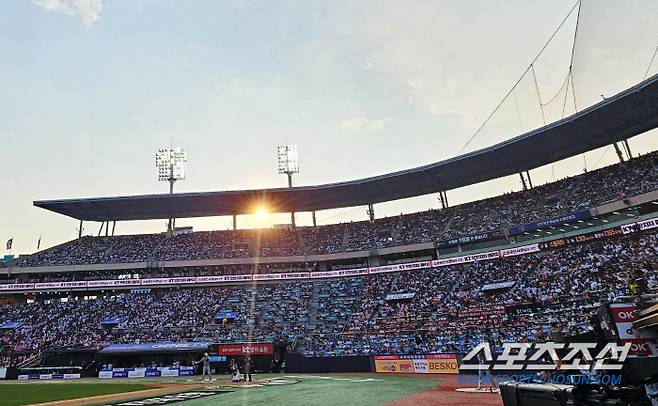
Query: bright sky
[[89, 89]]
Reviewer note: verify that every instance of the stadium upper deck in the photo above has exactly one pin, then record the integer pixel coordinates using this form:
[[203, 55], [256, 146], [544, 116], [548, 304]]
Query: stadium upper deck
[[625, 115], [492, 217]]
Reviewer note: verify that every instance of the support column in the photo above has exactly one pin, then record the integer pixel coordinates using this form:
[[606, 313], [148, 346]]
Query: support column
[[525, 187], [445, 198], [107, 228], [101, 229], [292, 213], [170, 226], [114, 225], [443, 202], [315, 224], [371, 212], [527, 174], [80, 230], [618, 151], [629, 154], [235, 222]]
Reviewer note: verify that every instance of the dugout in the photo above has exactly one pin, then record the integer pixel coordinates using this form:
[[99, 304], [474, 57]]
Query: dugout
[[151, 354]]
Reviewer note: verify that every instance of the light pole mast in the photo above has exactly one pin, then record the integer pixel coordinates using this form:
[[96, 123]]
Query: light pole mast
[[288, 165], [171, 167]]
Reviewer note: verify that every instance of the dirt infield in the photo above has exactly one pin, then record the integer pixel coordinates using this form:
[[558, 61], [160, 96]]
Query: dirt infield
[[159, 389], [444, 394]]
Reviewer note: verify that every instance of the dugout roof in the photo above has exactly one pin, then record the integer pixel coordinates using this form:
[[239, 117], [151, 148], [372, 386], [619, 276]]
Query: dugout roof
[[625, 115]]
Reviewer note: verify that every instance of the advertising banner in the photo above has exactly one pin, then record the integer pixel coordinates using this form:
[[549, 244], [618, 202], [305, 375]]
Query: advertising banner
[[400, 296], [17, 286], [524, 249], [155, 347], [245, 349], [579, 215], [485, 256], [396, 366], [642, 342], [467, 239], [640, 225], [60, 285], [417, 364], [114, 282], [144, 372], [340, 273], [47, 377], [442, 366], [169, 281], [280, 276]]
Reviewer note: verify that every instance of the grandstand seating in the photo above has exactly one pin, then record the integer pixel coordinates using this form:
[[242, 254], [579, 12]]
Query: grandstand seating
[[566, 196], [554, 290]]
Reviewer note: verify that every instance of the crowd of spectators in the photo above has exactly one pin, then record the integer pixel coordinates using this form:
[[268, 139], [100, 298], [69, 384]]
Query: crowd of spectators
[[553, 291], [452, 308], [565, 196]]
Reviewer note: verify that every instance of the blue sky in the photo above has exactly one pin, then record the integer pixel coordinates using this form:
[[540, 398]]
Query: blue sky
[[89, 89]]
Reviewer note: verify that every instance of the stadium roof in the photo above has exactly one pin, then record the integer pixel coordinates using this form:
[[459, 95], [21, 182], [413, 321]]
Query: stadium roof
[[625, 115]]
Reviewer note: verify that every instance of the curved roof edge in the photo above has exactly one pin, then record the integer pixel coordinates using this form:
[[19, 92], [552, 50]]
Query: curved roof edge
[[625, 115]]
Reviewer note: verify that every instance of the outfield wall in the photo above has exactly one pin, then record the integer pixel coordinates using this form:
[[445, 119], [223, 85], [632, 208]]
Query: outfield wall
[[298, 363], [400, 364]]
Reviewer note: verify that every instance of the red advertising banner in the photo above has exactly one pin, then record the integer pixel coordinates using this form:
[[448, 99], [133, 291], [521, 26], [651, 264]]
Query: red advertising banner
[[642, 342], [245, 349]]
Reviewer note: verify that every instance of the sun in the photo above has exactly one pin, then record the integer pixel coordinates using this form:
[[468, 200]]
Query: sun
[[261, 214]]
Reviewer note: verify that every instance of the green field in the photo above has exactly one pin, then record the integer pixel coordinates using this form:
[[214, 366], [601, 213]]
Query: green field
[[25, 393], [322, 390], [272, 390]]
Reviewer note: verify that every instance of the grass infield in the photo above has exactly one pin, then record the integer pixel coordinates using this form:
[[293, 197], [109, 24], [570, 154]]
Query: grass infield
[[27, 393]]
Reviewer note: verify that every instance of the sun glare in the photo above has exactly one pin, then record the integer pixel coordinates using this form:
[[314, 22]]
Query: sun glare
[[261, 214]]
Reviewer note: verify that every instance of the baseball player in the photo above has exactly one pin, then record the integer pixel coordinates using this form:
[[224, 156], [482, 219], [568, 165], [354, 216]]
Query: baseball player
[[206, 367]]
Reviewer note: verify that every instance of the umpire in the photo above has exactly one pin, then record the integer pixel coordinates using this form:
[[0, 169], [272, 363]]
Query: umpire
[[248, 367]]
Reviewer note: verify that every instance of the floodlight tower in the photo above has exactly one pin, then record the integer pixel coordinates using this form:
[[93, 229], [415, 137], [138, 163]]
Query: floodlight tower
[[288, 165], [171, 167]]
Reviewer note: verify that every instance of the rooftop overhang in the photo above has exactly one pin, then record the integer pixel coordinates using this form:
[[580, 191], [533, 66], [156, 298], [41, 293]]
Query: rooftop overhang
[[625, 115]]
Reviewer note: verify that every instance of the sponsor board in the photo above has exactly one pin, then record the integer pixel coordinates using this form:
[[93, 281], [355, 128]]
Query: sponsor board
[[394, 366], [524, 249], [640, 225], [157, 347], [146, 372], [566, 218], [417, 364], [642, 342], [280, 276], [400, 296], [485, 256], [46, 377], [472, 238], [245, 349]]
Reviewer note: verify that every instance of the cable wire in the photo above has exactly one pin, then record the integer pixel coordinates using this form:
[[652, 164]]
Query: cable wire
[[577, 4]]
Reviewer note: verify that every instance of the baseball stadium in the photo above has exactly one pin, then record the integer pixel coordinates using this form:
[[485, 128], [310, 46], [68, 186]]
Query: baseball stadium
[[340, 203]]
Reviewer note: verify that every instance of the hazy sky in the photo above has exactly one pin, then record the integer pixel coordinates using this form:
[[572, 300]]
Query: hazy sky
[[89, 89]]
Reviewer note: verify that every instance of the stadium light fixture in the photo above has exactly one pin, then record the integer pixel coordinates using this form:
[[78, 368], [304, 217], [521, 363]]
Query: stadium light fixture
[[288, 165], [288, 162], [171, 164]]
